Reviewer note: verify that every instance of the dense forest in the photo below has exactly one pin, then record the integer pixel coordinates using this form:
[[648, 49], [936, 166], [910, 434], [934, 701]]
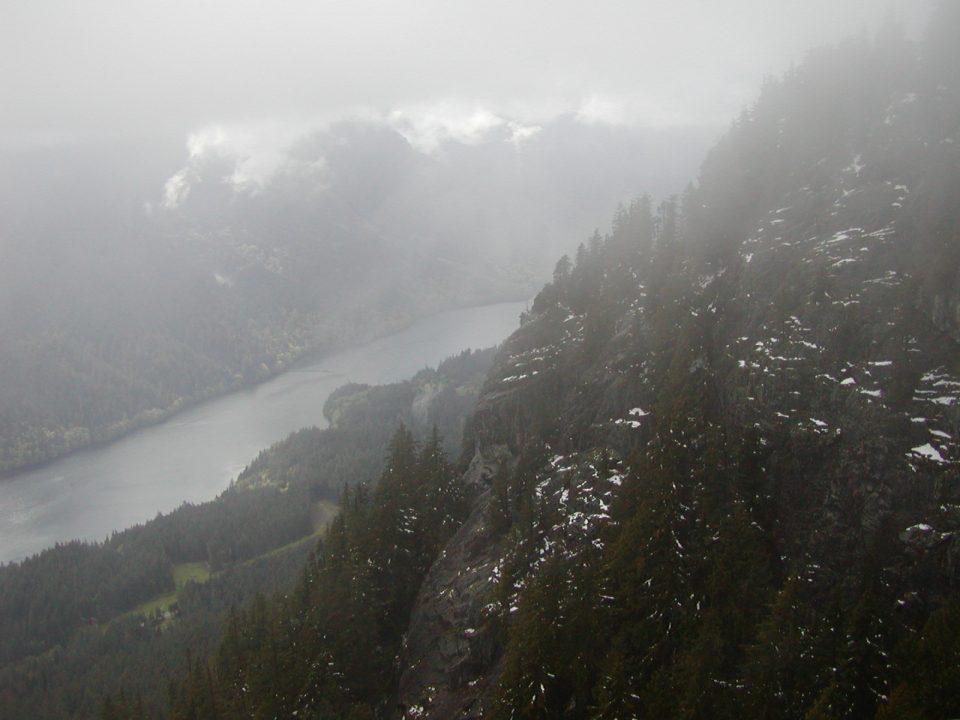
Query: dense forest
[[732, 423], [81, 620], [713, 473], [329, 647]]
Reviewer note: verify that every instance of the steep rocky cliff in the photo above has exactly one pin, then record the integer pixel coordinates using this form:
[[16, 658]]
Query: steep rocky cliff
[[716, 468]]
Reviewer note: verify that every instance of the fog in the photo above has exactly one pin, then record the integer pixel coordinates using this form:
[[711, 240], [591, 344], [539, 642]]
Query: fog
[[129, 67], [450, 358], [194, 195], [559, 89]]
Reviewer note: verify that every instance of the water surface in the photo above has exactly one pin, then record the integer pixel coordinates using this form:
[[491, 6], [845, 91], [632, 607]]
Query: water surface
[[194, 455]]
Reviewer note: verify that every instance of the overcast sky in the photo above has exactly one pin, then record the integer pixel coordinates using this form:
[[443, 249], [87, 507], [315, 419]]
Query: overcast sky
[[75, 68]]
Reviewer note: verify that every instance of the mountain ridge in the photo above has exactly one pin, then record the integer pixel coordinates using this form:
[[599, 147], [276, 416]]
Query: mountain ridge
[[806, 357]]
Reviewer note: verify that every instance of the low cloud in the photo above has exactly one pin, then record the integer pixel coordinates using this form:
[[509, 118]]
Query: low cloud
[[136, 66], [252, 155], [427, 128], [520, 134], [255, 154], [177, 188], [599, 109]]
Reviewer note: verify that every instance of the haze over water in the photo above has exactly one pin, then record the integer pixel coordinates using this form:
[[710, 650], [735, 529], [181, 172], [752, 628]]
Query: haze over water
[[196, 454]]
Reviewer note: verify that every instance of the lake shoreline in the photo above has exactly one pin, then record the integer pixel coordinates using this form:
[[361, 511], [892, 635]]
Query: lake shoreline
[[154, 417], [193, 457]]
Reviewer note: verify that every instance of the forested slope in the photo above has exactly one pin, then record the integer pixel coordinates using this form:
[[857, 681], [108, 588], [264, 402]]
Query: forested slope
[[81, 621], [727, 480], [713, 475]]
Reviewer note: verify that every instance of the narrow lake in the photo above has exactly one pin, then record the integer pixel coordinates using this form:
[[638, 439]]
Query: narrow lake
[[194, 455]]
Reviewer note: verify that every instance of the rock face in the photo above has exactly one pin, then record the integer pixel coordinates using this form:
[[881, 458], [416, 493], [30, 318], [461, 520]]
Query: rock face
[[809, 308], [448, 655], [944, 310]]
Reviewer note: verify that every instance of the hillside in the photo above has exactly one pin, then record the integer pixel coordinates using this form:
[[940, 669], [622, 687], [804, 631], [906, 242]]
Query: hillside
[[713, 474], [82, 621], [723, 444]]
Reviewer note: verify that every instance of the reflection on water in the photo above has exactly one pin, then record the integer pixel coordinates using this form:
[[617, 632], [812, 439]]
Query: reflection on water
[[195, 455]]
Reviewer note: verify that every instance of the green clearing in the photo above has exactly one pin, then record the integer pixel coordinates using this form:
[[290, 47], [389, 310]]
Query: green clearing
[[182, 574], [324, 511]]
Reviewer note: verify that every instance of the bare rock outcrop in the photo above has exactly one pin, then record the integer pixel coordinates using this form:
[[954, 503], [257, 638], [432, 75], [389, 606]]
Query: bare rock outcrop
[[448, 655]]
